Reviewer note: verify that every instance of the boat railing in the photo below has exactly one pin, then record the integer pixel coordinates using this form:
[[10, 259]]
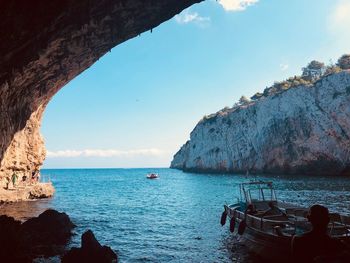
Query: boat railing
[[339, 224], [301, 213], [262, 205], [345, 220], [263, 191], [290, 225], [269, 183], [265, 223]]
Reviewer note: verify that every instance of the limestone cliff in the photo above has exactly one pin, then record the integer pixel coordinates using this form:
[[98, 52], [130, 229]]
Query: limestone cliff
[[44, 45], [304, 130]]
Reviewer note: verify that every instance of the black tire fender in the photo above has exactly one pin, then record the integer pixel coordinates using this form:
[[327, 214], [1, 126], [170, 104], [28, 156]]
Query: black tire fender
[[232, 224], [241, 227], [223, 218]]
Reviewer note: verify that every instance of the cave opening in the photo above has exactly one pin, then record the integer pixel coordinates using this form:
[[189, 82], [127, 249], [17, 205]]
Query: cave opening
[[134, 105]]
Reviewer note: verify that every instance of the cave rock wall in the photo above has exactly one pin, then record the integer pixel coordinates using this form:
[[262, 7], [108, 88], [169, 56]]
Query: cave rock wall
[[44, 45]]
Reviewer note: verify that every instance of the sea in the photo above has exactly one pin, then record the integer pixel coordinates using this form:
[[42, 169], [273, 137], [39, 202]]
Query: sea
[[175, 218]]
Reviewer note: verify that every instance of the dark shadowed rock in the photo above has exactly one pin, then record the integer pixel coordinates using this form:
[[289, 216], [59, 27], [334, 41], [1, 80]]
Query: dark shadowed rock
[[9, 237], [91, 251], [50, 227], [45, 235]]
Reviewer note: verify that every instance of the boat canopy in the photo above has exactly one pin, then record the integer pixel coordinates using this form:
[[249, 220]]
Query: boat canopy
[[258, 191]]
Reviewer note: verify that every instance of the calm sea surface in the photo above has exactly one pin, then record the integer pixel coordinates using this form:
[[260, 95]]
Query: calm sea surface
[[172, 219]]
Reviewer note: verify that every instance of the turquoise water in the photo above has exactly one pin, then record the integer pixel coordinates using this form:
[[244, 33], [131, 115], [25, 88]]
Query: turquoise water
[[171, 219]]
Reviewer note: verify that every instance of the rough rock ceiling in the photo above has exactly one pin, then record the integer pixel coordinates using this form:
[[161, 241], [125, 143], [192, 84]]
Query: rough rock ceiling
[[44, 45]]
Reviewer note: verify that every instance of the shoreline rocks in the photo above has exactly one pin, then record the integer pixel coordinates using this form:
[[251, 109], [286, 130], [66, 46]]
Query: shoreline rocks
[[91, 251], [45, 238], [45, 235], [48, 233], [27, 192]]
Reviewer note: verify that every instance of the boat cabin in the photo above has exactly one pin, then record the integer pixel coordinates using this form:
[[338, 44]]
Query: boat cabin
[[258, 194]]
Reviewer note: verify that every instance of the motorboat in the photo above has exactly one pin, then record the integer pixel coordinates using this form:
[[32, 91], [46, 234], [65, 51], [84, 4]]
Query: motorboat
[[152, 176], [267, 225]]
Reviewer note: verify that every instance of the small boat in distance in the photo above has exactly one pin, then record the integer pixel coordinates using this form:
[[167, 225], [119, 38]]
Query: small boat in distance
[[152, 176], [268, 225]]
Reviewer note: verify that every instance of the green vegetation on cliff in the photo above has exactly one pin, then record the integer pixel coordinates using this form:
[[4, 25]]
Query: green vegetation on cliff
[[312, 73]]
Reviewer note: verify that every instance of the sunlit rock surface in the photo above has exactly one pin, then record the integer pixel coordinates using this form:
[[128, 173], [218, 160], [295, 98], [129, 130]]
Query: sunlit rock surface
[[44, 45], [304, 130], [27, 192]]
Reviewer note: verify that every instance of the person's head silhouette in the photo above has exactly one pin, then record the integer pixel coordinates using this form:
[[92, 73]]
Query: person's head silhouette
[[319, 217]]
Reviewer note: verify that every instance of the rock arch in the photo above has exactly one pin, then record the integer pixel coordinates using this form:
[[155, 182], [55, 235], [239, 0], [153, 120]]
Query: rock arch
[[45, 45]]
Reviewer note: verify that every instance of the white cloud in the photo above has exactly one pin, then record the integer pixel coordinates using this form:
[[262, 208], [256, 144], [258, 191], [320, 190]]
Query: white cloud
[[187, 17], [236, 5], [104, 153], [284, 67]]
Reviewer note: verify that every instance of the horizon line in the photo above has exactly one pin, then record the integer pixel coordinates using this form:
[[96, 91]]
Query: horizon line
[[67, 168]]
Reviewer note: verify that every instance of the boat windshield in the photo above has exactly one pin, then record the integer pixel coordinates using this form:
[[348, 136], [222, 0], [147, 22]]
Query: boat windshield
[[258, 191]]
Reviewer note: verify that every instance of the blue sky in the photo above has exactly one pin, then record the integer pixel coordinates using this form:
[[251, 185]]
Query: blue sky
[[138, 104]]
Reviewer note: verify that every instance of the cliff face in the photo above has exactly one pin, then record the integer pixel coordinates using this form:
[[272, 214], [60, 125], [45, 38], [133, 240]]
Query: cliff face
[[46, 44], [305, 130]]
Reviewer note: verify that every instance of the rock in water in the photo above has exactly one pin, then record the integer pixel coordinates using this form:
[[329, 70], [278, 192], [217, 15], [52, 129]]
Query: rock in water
[[49, 228], [91, 251], [41, 190], [303, 130], [45, 235]]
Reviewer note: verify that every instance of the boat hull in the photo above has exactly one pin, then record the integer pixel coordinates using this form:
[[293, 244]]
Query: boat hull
[[269, 247], [267, 226], [152, 176], [262, 239]]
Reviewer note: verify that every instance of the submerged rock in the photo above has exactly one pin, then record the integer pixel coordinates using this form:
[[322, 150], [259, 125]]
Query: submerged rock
[[304, 130], [45, 235], [91, 251]]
